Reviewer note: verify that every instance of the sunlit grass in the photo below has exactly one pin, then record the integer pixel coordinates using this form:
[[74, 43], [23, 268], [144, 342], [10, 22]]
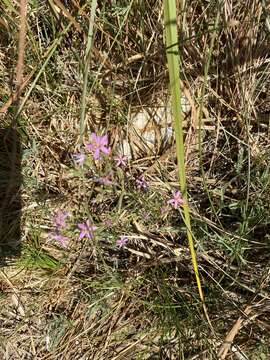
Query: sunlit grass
[[127, 288]]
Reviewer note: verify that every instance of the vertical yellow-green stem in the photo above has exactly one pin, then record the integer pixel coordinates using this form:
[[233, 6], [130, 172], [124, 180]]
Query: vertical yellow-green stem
[[86, 67], [173, 66]]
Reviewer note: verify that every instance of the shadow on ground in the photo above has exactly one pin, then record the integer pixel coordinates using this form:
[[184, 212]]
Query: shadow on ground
[[10, 199]]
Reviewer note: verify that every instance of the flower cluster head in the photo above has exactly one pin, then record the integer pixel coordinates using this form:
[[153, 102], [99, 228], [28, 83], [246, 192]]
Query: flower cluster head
[[141, 183], [86, 230], [59, 222], [98, 145], [176, 199], [122, 241]]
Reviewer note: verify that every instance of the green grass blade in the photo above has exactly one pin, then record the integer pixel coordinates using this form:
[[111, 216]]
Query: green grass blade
[[86, 67], [173, 65]]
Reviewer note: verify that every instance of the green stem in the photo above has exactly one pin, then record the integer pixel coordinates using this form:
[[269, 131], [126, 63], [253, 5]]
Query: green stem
[[86, 68], [173, 65]]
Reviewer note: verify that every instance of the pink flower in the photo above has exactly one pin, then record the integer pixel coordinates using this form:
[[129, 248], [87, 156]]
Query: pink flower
[[86, 230], [79, 159], [108, 223], [98, 144], [146, 216], [141, 183], [122, 241], [105, 180], [121, 160], [63, 240], [164, 210], [59, 219], [176, 200]]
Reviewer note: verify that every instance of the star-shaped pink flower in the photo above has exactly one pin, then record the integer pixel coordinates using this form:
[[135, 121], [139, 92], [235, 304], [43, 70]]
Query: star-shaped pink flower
[[63, 240], [105, 180], [86, 230], [59, 219], [122, 241], [121, 160], [98, 145], [141, 183], [176, 200]]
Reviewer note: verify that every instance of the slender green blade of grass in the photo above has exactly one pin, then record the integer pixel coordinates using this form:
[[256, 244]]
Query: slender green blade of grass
[[173, 66], [86, 67]]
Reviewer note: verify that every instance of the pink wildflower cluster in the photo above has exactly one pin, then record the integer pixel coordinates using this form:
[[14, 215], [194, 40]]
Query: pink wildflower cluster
[[59, 221], [97, 146]]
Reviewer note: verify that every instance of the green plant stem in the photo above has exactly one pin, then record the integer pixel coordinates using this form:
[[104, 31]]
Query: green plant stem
[[86, 67], [173, 65]]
